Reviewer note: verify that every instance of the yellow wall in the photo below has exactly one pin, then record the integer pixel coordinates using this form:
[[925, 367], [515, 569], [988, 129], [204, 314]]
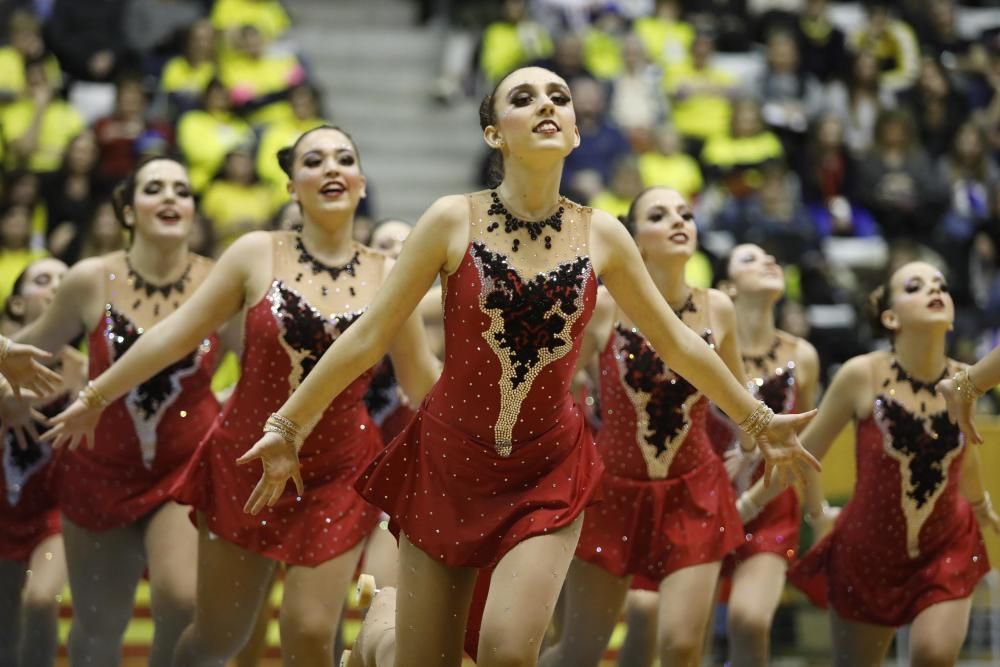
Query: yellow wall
[[838, 471]]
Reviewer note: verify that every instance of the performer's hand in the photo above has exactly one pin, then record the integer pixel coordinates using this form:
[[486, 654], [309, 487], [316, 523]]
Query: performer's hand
[[960, 411], [77, 422], [740, 466], [22, 368], [18, 416], [783, 453], [987, 517], [823, 524], [281, 463]]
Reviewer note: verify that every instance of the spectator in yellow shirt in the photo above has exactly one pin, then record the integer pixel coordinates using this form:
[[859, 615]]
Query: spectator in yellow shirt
[[37, 127], [666, 37], [268, 16], [893, 43], [237, 201], [668, 165], [602, 43], [749, 144], [15, 246], [25, 35], [206, 135], [700, 93], [512, 41], [258, 80], [186, 75], [307, 113]]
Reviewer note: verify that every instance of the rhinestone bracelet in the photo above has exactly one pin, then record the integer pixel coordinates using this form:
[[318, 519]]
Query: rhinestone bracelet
[[92, 397], [5, 344], [758, 420], [284, 427], [964, 386]]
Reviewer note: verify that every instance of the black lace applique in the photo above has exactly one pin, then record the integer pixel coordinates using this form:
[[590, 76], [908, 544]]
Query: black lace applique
[[777, 391], [646, 373], [304, 329], [534, 312], [924, 452], [382, 396], [147, 402]]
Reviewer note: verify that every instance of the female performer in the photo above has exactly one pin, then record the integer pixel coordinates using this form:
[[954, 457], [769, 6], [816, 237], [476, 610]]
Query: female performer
[[669, 513], [32, 559], [907, 548], [118, 519], [297, 292], [784, 373], [497, 466]]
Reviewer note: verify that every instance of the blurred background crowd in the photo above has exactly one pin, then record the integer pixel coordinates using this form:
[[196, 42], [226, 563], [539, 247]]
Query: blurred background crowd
[[844, 137]]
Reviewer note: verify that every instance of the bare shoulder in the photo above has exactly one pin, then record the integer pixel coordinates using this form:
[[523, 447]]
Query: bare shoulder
[[449, 213], [805, 353], [720, 303], [89, 273], [253, 245], [857, 370]]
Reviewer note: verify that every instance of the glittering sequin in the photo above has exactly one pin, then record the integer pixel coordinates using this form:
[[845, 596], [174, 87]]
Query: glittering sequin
[[662, 399], [777, 390], [924, 450], [530, 324], [149, 401], [305, 332]]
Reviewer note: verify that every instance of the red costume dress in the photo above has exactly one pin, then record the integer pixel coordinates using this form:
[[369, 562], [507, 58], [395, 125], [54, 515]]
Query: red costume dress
[[498, 451], [667, 503], [285, 335], [29, 514], [907, 539], [144, 439], [776, 529]]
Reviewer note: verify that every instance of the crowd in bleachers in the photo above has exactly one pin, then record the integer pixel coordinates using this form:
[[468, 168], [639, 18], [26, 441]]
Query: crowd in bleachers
[[846, 138], [87, 89]]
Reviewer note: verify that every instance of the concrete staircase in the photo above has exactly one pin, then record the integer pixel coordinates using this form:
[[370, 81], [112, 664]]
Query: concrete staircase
[[377, 70]]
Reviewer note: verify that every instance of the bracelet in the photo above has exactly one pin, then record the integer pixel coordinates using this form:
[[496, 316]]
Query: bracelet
[[286, 428], [92, 397], [758, 420], [985, 505], [810, 518], [5, 344], [963, 385], [747, 507]]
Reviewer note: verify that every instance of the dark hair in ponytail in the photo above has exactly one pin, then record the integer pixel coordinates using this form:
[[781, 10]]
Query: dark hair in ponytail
[[487, 117], [879, 301], [286, 156]]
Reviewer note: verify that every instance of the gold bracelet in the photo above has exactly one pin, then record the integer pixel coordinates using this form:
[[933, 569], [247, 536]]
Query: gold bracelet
[[964, 386], [758, 420], [92, 397], [5, 344], [289, 431]]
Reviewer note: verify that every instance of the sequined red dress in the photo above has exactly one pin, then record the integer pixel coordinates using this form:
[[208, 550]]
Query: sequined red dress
[[498, 451], [907, 539], [776, 529], [144, 439], [667, 499], [29, 513], [285, 335]]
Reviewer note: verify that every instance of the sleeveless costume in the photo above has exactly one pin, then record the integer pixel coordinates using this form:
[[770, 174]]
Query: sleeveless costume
[[498, 451], [285, 335], [144, 439], [667, 503], [907, 539]]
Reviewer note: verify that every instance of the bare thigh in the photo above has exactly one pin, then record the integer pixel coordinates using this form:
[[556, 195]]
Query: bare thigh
[[381, 559], [859, 644], [48, 575], [687, 599], [938, 632]]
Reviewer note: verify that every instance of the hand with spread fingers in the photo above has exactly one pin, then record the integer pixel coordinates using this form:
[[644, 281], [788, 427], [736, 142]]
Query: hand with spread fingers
[[74, 424], [18, 416], [960, 398], [280, 458], [22, 367], [783, 454]]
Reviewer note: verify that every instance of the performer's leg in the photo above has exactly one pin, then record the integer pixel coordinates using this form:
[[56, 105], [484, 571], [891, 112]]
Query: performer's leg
[[938, 632], [104, 570], [381, 559], [756, 592], [432, 604], [232, 585], [312, 606], [253, 651], [12, 577], [522, 597], [687, 599], [172, 553], [593, 599], [641, 612], [40, 602], [859, 644]]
